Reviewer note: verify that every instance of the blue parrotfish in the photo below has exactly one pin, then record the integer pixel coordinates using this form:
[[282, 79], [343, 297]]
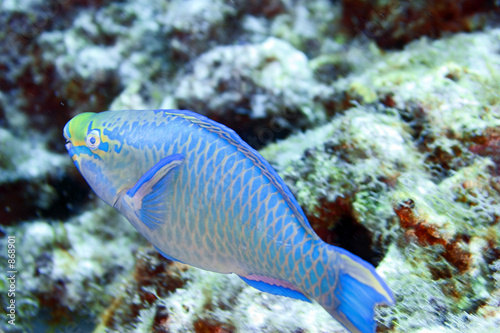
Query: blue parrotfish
[[202, 196]]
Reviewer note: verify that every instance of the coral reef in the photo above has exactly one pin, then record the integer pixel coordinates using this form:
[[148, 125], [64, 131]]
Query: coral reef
[[68, 273], [413, 178], [395, 23], [393, 154], [344, 176], [264, 91], [32, 179]]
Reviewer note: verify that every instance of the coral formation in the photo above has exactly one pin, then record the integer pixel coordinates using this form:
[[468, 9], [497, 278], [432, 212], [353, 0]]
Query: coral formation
[[414, 177], [395, 23], [393, 154], [263, 91]]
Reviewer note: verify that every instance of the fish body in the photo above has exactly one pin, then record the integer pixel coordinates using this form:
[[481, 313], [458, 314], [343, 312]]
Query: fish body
[[204, 197]]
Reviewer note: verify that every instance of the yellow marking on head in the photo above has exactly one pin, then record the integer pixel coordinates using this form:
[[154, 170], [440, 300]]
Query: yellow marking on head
[[78, 127]]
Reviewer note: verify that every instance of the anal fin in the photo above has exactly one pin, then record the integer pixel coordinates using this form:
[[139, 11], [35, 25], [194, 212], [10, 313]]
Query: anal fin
[[274, 286]]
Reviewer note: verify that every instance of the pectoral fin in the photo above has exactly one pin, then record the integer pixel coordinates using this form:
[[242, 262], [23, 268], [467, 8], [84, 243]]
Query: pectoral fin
[[150, 196]]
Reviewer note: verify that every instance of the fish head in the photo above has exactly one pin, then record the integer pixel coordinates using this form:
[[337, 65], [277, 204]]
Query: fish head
[[106, 162]]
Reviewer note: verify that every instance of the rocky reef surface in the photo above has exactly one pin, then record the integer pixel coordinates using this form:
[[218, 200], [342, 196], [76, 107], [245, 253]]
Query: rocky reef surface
[[383, 121]]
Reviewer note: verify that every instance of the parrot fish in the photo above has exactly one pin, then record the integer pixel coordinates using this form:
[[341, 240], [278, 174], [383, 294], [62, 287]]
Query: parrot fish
[[202, 196]]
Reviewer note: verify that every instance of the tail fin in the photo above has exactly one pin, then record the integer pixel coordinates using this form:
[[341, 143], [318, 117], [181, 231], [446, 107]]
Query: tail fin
[[356, 290]]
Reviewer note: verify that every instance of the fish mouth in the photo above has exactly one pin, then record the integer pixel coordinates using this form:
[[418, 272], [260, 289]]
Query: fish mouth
[[70, 149], [68, 145]]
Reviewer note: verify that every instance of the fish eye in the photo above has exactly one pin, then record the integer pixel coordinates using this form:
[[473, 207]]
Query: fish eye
[[93, 140]]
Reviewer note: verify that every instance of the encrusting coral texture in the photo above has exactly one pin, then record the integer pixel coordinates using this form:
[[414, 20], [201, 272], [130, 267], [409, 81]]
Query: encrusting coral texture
[[388, 138]]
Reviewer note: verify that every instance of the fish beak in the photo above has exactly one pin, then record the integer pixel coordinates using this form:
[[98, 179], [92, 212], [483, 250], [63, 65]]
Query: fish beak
[[68, 145], [71, 150], [67, 135]]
